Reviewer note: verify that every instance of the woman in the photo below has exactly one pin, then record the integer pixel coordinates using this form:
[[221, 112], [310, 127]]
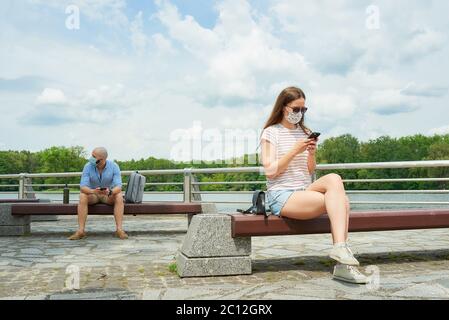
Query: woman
[[288, 157]]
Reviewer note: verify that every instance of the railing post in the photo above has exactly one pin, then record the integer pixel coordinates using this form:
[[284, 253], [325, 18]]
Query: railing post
[[22, 178], [188, 185], [29, 192], [196, 188], [313, 176]]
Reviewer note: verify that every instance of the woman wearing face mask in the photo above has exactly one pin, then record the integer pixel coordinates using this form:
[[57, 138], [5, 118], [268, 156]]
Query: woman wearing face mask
[[288, 157]]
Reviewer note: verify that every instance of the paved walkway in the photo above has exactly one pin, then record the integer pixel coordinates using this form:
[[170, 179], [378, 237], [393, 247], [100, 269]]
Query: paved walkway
[[409, 264]]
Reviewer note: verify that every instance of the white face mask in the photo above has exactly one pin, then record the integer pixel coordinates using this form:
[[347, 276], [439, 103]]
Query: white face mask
[[294, 118]]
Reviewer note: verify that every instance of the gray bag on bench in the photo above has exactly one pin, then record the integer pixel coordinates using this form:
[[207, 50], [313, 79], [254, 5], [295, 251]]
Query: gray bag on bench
[[135, 187]]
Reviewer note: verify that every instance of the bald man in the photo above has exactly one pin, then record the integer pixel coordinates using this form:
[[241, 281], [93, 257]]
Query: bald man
[[101, 182]]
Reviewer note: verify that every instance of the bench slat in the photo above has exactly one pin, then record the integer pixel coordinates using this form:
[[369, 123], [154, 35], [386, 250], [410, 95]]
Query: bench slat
[[249, 225], [103, 209], [18, 200]]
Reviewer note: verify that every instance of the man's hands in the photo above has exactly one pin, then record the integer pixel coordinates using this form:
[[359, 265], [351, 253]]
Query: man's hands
[[102, 192]]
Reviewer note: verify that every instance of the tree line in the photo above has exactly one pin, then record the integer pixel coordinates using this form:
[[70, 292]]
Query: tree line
[[342, 149]]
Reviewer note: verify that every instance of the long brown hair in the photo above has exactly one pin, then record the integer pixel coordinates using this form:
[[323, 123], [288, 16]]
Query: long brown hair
[[285, 97]]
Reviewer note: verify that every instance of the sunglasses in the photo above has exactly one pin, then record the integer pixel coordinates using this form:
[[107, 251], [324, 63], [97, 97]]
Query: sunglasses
[[299, 109]]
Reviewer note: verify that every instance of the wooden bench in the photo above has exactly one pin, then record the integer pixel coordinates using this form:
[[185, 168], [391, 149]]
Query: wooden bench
[[217, 245], [359, 221], [18, 200], [15, 217], [27, 209]]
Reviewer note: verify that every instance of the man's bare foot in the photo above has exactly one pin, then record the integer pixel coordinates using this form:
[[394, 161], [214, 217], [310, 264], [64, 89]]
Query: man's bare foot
[[121, 234], [77, 235]]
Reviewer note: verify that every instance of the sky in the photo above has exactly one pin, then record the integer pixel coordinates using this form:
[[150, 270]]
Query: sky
[[198, 79]]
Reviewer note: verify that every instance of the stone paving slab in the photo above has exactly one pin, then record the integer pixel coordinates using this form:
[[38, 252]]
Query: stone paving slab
[[413, 264]]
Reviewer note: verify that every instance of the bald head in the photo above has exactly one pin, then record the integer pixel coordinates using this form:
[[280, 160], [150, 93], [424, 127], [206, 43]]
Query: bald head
[[101, 152]]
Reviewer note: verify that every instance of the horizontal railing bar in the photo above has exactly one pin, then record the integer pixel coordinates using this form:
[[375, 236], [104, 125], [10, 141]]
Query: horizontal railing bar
[[396, 180], [356, 202], [77, 184], [230, 182], [399, 202], [231, 202], [397, 191], [360, 165], [344, 180], [244, 182], [223, 192], [385, 165], [76, 192], [347, 191]]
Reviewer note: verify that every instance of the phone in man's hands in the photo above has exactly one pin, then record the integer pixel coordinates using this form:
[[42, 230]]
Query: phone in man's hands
[[102, 189], [314, 135]]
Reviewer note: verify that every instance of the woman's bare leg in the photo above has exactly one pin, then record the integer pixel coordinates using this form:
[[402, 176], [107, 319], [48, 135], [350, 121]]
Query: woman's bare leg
[[348, 211], [335, 200]]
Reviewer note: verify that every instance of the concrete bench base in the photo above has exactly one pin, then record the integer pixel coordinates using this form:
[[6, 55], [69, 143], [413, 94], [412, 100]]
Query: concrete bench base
[[218, 266], [208, 249], [13, 225], [33, 218]]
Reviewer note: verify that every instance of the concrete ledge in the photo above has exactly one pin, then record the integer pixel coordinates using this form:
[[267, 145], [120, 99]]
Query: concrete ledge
[[210, 235], [7, 219], [222, 266], [208, 208], [205, 208], [14, 230]]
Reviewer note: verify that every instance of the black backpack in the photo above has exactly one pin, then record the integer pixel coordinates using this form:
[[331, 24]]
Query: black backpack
[[258, 206]]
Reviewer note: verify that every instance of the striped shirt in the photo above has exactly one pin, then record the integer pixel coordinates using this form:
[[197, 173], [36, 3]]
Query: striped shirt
[[297, 173]]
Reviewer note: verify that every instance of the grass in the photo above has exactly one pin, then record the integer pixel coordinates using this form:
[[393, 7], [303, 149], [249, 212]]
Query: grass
[[299, 263], [326, 262], [173, 268]]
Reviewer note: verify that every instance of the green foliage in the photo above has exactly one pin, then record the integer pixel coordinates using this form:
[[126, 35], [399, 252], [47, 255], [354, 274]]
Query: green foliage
[[342, 149], [173, 267]]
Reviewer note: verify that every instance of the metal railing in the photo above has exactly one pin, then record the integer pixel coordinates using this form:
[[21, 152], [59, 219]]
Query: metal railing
[[191, 188]]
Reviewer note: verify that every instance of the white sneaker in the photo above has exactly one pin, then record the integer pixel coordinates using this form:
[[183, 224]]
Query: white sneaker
[[342, 253], [350, 274]]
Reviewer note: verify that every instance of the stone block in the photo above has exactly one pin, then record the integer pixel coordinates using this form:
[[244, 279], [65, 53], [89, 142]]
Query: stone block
[[209, 235], [6, 219], [212, 266], [14, 230]]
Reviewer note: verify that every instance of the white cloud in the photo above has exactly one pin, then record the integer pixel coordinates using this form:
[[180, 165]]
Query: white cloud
[[140, 81], [331, 107], [388, 102], [413, 89], [51, 96], [422, 42], [439, 130], [109, 12], [162, 44], [138, 38], [240, 57]]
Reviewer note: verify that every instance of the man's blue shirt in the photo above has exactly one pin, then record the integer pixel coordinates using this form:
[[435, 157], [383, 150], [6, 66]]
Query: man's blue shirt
[[109, 178]]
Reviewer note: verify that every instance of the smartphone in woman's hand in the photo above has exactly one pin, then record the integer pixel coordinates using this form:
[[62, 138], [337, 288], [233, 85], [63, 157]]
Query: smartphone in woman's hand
[[314, 135]]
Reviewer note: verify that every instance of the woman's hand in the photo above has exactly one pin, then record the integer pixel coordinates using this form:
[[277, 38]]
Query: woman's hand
[[312, 147], [302, 145]]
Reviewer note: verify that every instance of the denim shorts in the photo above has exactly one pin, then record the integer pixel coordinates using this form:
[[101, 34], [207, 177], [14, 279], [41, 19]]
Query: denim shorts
[[277, 198]]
